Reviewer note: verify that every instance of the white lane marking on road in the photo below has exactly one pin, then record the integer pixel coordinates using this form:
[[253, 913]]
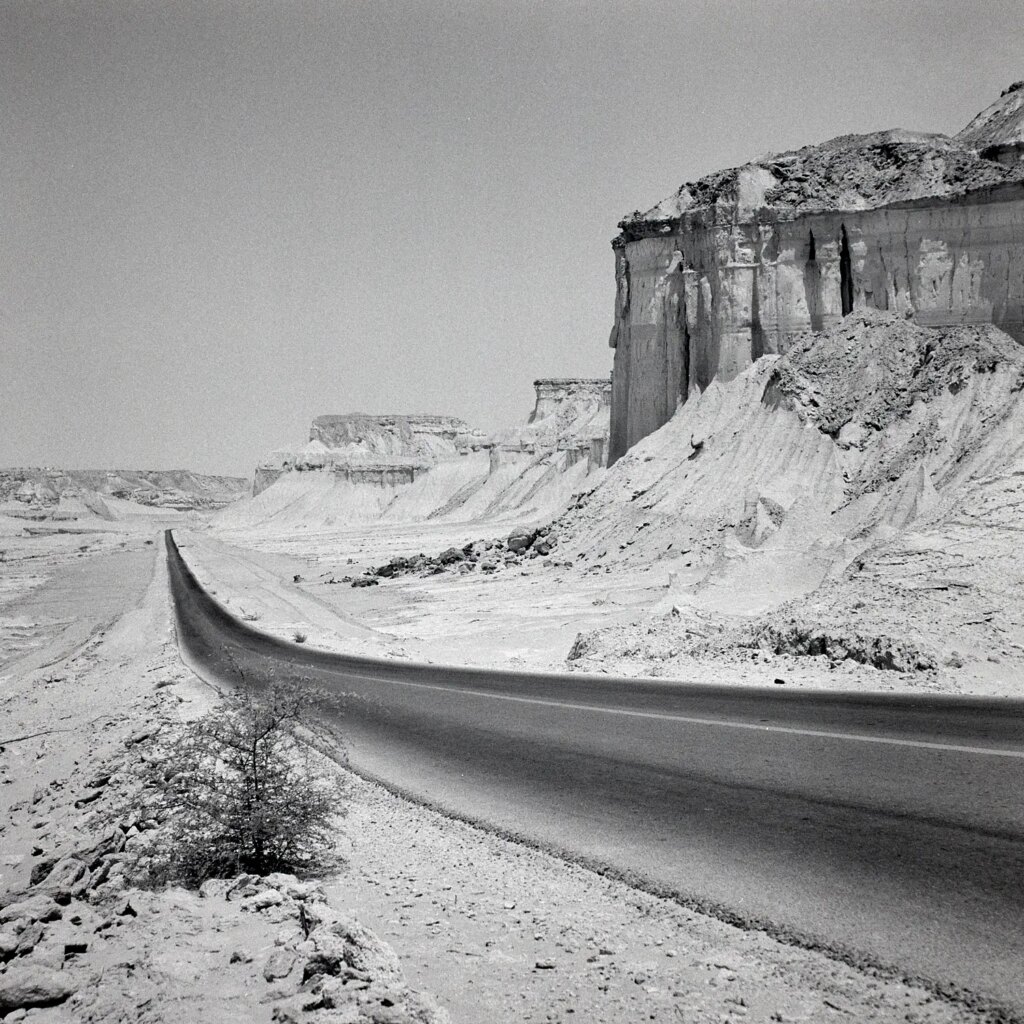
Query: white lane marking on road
[[718, 722]]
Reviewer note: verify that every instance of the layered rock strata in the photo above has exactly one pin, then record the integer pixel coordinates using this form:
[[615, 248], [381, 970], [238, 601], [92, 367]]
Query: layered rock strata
[[386, 451], [179, 490], [571, 415], [744, 261], [359, 467]]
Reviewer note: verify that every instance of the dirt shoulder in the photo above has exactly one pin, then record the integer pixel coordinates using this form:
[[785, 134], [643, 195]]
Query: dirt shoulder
[[501, 932]]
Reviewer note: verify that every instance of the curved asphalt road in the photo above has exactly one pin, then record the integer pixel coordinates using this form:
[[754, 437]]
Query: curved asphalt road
[[887, 829]]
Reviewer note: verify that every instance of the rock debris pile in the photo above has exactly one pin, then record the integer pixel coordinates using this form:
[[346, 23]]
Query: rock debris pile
[[485, 556]]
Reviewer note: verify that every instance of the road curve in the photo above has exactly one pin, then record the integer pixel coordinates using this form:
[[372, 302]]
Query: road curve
[[887, 829]]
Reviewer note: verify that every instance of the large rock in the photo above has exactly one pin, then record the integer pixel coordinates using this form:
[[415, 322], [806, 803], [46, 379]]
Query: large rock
[[38, 907], [24, 986], [344, 946], [70, 877]]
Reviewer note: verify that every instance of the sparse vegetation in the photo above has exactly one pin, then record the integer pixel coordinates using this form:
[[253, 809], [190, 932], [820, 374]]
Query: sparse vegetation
[[299, 637], [250, 616], [237, 791]]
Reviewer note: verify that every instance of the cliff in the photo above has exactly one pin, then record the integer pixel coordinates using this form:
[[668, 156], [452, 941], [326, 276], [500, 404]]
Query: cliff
[[406, 468], [427, 438], [384, 450], [569, 415], [745, 261]]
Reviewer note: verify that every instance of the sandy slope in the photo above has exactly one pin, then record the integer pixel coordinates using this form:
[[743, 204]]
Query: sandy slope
[[860, 498], [91, 945]]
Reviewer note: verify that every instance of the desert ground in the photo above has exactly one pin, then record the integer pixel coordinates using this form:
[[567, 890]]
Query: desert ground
[[482, 928]]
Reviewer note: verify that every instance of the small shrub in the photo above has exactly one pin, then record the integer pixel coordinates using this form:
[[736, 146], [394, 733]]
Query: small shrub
[[299, 637], [236, 791], [250, 616]]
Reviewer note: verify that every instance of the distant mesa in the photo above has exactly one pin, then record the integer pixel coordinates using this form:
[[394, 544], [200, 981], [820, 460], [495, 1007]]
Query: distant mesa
[[412, 467], [47, 493], [746, 260], [386, 450]]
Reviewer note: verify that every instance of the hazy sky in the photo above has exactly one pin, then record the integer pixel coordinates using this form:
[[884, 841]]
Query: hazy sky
[[220, 219]]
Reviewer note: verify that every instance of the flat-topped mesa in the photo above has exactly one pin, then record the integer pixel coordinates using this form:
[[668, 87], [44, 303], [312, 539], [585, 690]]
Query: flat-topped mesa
[[420, 435], [556, 394], [744, 261], [436, 467], [386, 450]]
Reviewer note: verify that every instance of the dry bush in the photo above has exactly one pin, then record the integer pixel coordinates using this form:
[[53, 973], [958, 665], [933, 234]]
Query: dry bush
[[237, 791]]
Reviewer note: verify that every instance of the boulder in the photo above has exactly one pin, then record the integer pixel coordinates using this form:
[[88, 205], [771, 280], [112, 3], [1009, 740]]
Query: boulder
[[111, 842], [242, 886], [8, 944], [262, 900], [215, 888], [29, 939], [38, 907], [23, 986], [521, 541], [279, 965], [41, 869], [69, 877], [345, 946]]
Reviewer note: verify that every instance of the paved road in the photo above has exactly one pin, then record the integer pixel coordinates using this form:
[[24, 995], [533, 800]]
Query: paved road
[[887, 829]]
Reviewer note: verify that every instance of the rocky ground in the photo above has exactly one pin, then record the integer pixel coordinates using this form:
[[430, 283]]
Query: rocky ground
[[492, 929], [79, 940]]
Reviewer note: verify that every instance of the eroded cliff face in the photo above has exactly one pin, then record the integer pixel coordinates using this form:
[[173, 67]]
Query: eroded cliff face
[[385, 451], [746, 261], [570, 415], [358, 467], [425, 437]]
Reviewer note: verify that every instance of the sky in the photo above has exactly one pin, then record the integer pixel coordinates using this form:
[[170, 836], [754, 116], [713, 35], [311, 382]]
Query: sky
[[220, 219]]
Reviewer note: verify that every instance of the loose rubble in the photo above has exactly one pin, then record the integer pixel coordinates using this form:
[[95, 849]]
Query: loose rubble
[[82, 940], [79, 895], [482, 555]]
